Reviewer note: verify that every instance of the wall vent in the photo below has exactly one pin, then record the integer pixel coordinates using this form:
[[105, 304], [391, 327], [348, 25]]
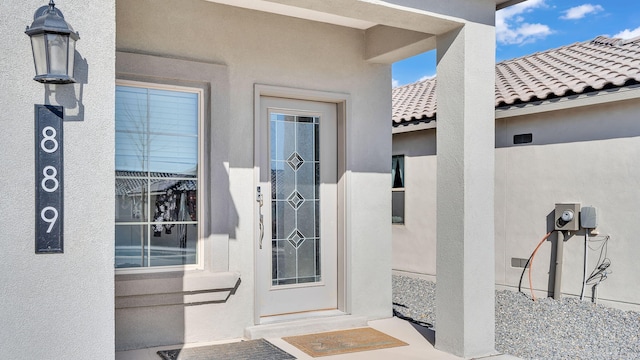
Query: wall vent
[[523, 138], [518, 263]]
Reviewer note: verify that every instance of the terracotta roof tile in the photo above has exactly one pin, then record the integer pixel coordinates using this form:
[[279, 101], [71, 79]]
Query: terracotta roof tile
[[573, 69], [415, 101]]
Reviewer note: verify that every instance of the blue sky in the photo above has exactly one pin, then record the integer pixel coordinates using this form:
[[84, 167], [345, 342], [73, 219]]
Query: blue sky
[[537, 25]]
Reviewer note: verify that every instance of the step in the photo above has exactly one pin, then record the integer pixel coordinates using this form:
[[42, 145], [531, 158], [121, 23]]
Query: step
[[304, 326]]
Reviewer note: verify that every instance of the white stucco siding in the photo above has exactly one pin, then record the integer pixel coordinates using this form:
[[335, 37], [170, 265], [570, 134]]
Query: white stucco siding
[[587, 155], [59, 306], [414, 242], [260, 48]]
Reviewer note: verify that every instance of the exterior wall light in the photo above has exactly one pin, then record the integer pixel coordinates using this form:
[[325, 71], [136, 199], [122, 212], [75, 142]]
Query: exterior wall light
[[53, 42]]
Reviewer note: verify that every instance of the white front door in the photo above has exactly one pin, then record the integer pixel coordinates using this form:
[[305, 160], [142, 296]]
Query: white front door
[[297, 252]]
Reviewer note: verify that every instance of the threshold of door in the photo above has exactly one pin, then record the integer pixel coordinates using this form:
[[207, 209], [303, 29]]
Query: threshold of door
[[304, 323], [270, 319]]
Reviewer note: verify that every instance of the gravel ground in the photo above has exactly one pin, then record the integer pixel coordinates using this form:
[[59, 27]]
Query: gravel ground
[[544, 329]]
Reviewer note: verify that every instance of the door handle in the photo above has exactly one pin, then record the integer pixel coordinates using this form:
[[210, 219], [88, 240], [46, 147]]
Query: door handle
[[260, 217]]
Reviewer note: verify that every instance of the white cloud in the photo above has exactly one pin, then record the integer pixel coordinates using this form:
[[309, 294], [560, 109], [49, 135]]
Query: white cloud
[[578, 12], [511, 27], [628, 34], [534, 30], [394, 83]]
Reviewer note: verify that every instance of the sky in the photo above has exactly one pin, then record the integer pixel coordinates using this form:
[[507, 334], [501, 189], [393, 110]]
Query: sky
[[537, 25]]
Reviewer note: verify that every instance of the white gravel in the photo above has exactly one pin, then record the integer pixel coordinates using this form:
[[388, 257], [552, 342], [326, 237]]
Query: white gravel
[[544, 329]]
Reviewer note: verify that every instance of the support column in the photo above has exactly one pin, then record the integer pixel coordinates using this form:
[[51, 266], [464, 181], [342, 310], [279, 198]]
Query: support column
[[465, 191]]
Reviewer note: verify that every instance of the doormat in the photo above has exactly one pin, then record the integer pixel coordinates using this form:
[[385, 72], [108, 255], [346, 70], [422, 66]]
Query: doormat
[[343, 342], [243, 350]]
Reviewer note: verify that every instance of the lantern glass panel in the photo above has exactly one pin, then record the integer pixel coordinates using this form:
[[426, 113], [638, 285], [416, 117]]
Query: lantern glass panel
[[39, 54], [72, 54], [58, 47]]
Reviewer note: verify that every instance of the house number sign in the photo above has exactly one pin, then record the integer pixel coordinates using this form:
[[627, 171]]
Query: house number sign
[[49, 179]]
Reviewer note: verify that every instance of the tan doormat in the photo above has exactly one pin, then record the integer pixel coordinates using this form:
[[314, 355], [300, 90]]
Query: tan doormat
[[343, 342]]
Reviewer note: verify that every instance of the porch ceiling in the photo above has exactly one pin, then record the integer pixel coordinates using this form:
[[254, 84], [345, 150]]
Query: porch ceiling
[[394, 29], [363, 14]]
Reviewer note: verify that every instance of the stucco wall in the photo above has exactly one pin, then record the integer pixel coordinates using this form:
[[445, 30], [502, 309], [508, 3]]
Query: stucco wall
[[259, 48], [414, 242], [587, 155], [58, 306]]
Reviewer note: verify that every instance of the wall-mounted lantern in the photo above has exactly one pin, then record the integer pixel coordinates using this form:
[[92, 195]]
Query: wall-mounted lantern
[[53, 42]]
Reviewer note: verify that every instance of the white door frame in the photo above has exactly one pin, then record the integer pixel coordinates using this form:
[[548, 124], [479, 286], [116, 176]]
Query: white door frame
[[342, 102]]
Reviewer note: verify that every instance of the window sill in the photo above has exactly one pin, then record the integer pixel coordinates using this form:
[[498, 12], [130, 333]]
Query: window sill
[[174, 288]]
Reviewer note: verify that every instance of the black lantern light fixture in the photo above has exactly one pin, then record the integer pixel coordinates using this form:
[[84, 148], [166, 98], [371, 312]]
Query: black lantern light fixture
[[53, 42]]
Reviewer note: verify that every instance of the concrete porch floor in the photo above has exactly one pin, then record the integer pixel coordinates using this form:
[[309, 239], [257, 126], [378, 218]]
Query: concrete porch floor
[[419, 339]]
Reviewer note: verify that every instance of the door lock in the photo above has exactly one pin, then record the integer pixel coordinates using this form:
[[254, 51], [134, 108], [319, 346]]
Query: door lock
[[259, 195]]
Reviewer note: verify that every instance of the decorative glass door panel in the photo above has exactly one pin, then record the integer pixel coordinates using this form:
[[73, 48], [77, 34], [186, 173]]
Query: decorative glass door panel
[[295, 199], [297, 262]]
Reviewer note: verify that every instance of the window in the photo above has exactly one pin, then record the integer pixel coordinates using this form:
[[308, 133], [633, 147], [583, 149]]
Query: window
[[157, 175], [397, 195]]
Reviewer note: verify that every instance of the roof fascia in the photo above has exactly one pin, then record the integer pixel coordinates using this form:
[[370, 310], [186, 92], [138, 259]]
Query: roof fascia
[[411, 127], [508, 3], [569, 102]]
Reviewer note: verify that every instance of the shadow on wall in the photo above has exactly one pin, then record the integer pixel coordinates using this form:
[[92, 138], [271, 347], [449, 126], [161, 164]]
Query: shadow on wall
[[70, 97]]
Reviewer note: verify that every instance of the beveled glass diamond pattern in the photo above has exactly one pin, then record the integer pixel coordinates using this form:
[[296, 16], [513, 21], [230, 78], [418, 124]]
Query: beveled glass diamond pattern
[[295, 140], [295, 160], [295, 199], [296, 238]]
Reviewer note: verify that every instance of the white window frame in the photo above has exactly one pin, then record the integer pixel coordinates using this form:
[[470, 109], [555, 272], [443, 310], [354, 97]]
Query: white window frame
[[202, 214], [400, 190]]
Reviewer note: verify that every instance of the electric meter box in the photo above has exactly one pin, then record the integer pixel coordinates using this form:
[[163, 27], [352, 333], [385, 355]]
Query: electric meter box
[[567, 217], [588, 217]]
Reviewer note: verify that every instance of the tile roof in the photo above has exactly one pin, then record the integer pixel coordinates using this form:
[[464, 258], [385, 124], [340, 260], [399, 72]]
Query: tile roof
[[578, 68]]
